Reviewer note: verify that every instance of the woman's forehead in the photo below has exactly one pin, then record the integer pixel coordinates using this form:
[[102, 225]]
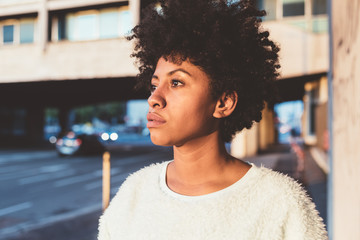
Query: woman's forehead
[[167, 67]]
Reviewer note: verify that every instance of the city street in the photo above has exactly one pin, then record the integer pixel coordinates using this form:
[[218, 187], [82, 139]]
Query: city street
[[39, 189]]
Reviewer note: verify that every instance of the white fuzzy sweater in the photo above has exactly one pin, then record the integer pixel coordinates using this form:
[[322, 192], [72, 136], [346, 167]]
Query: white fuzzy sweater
[[262, 205]]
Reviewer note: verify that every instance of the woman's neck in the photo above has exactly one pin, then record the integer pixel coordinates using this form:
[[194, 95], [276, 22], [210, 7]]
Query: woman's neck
[[203, 166]]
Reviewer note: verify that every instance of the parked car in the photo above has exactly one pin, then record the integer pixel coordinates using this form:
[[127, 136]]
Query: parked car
[[72, 143]]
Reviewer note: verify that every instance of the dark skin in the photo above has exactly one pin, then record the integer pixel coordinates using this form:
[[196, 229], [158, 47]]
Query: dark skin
[[183, 114]]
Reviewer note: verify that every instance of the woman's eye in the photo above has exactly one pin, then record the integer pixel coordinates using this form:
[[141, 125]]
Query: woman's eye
[[176, 83], [152, 88]]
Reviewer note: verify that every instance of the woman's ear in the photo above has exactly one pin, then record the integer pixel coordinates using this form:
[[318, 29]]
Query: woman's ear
[[225, 105]]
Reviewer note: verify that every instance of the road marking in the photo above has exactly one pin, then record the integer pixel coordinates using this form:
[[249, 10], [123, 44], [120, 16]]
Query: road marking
[[83, 178], [15, 208], [45, 177], [22, 173], [115, 179], [11, 169], [53, 168], [26, 156], [32, 225]]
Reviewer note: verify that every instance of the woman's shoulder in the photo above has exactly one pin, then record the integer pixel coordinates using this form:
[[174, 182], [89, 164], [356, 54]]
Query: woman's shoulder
[[286, 195], [277, 183]]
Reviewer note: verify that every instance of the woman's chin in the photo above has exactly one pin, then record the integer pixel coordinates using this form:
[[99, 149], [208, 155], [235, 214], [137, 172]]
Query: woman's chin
[[160, 141]]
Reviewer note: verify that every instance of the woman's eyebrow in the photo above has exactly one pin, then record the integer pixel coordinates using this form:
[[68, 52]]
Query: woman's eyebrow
[[178, 70], [172, 72]]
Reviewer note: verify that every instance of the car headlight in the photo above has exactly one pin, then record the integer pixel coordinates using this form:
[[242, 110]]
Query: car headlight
[[114, 136], [105, 136]]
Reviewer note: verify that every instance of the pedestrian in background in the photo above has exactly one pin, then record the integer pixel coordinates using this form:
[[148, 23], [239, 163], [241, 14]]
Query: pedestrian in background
[[210, 69]]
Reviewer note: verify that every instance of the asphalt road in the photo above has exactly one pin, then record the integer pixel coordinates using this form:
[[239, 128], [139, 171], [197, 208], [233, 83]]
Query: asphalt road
[[39, 189]]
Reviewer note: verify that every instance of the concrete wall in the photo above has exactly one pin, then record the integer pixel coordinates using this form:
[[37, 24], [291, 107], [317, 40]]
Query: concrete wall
[[346, 119], [302, 52], [67, 60]]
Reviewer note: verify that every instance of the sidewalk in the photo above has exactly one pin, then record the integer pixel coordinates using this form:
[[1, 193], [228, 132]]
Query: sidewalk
[[281, 158]]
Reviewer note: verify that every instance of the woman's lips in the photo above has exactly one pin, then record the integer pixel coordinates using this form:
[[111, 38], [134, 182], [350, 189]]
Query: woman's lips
[[154, 120]]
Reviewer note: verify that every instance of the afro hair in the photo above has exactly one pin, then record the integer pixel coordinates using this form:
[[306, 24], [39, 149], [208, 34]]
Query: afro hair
[[224, 39]]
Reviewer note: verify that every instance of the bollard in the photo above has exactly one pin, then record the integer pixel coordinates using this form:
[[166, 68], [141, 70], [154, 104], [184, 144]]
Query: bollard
[[106, 180]]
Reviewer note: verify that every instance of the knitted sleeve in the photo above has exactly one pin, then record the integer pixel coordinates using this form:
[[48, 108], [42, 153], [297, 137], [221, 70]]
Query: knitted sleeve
[[303, 221], [103, 231]]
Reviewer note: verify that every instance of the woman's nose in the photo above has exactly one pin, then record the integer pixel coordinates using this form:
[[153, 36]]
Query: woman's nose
[[156, 99]]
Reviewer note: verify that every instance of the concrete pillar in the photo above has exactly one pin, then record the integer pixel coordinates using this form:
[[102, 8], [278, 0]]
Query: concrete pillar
[[344, 89], [252, 135], [134, 6], [308, 14], [238, 145], [266, 129], [43, 21], [245, 143], [279, 9]]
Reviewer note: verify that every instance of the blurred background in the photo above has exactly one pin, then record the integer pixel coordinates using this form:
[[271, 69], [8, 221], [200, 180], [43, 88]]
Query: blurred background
[[66, 96]]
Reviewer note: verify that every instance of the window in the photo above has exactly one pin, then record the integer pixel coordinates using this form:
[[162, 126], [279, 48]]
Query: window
[[8, 33], [86, 27], [293, 8], [70, 28], [125, 22], [15, 31], [81, 27], [95, 24], [27, 32], [320, 25], [109, 24], [319, 7], [61, 33], [308, 15]]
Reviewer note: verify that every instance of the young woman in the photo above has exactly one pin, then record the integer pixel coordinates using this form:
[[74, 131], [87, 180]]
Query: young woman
[[210, 68]]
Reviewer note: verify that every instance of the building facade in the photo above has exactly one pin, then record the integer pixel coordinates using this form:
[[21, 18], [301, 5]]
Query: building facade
[[62, 53], [48, 39], [300, 27], [66, 41]]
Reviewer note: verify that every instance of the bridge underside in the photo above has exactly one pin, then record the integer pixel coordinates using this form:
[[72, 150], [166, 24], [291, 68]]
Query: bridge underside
[[292, 89], [70, 93], [22, 105], [34, 97]]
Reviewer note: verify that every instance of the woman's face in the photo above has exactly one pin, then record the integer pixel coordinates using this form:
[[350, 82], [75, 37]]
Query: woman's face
[[180, 106]]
